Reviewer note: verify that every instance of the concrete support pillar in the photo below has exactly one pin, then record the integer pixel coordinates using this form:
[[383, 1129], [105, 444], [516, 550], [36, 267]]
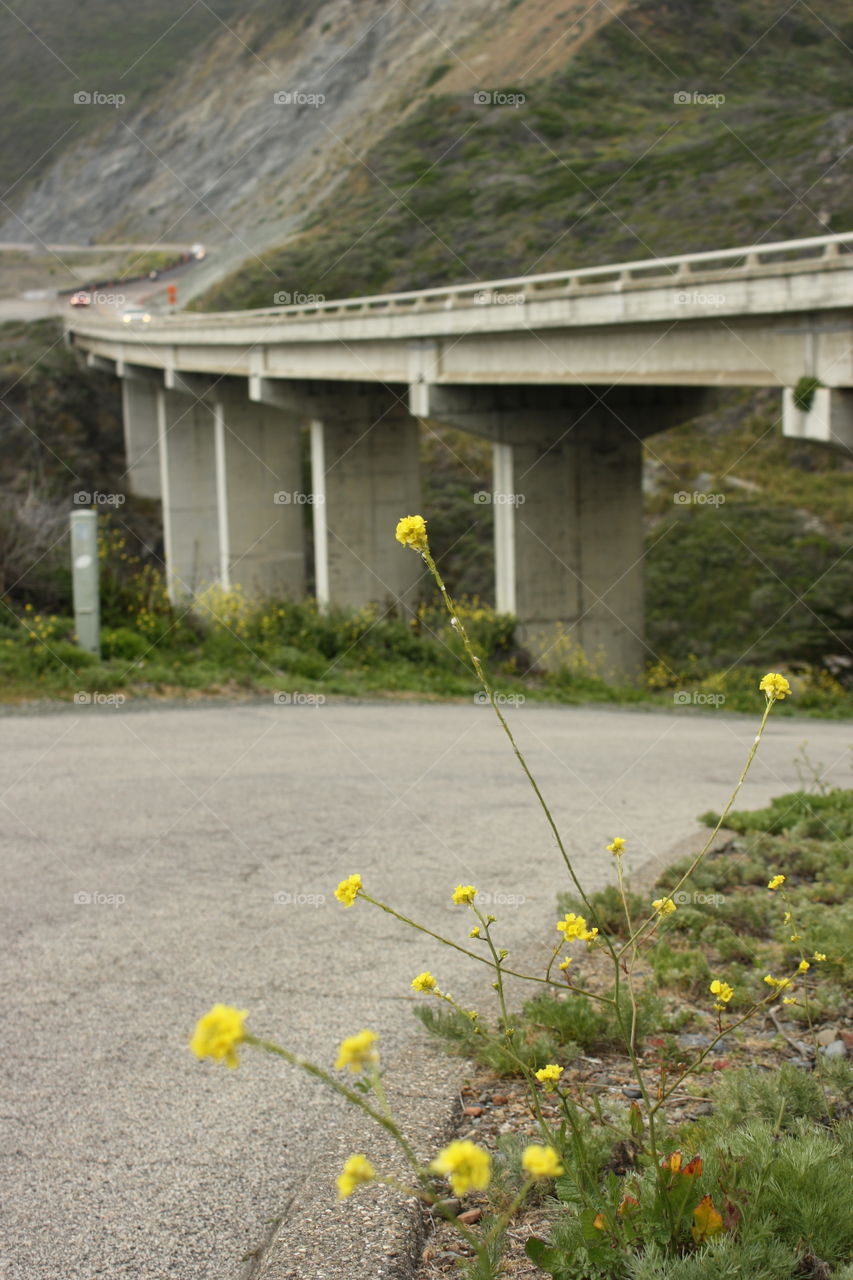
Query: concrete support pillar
[[578, 546], [366, 470], [189, 493], [260, 498], [567, 500], [139, 414], [828, 420]]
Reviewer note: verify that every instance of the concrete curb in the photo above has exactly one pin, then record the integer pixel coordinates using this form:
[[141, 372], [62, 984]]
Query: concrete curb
[[377, 1233]]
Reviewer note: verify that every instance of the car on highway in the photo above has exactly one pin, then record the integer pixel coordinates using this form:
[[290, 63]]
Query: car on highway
[[82, 298], [135, 315]]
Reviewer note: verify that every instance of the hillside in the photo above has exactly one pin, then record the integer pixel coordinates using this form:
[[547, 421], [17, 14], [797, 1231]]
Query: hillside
[[599, 162]]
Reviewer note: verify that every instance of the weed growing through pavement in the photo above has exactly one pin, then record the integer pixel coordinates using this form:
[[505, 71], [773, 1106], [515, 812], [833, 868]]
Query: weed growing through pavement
[[674, 1204]]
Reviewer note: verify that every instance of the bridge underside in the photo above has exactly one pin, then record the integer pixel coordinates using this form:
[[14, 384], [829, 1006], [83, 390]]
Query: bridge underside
[[226, 458], [225, 455]]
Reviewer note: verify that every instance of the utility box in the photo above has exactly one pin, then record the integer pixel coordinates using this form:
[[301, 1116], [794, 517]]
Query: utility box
[[84, 580]]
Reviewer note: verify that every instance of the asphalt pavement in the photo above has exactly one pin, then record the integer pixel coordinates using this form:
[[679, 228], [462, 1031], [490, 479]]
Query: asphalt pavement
[[158, 860]]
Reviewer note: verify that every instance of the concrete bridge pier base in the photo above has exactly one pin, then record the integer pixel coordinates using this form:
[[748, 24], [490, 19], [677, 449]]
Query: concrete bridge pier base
[[188, 489], [139, 415], [258, 458], [572, 534], [568, 513], [365, 476]]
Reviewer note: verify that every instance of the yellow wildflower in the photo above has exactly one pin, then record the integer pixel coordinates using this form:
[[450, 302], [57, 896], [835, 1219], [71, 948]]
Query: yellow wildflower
[[475, 932], [722, 991], [564, 964], [357, 1052], [818, 955], [549, 1076], [778, 984], [775, 882], [424, 982], [411, 531], [464, 895], [774, 686], [466, 1166], [616, 847], [803, 966], [574, 926], [348, 890], [541, 1162], [664, 905], [355, 1172], [218, 1033]]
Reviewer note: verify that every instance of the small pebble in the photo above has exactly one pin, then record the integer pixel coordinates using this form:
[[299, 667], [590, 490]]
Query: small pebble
[[838, 1049], [473, 1111], [826, 1035], [470, 1216], [500, 1099], [631, 1092]]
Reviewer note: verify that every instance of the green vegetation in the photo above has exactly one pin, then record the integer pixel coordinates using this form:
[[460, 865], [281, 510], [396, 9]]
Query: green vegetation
[[769, 1154], [752, 1176]]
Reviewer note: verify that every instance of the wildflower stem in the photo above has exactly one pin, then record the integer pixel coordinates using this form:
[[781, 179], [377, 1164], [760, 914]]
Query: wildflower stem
[[351, 1096]]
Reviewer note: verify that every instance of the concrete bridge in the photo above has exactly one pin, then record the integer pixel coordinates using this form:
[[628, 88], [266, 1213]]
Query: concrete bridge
[[567, 373]]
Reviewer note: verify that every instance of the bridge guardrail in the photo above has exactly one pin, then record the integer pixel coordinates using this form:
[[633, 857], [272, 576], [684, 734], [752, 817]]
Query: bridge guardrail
[[826, 251]]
